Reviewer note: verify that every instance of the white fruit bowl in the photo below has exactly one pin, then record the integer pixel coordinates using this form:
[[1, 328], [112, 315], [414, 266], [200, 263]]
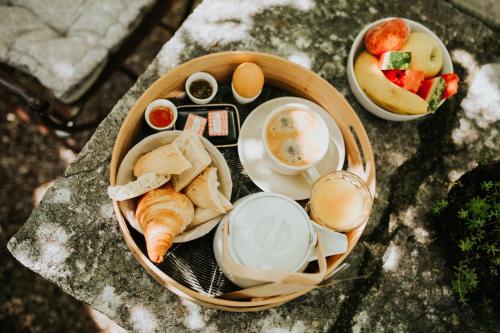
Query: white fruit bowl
[[358, 46]]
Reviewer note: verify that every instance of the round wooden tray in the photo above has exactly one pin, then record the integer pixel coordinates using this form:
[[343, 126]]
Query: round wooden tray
[[280, 73]]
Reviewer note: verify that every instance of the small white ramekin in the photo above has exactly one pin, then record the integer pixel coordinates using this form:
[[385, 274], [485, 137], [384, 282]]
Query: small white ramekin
[[243, 100], [201, 76], [358, 46], [157, 103]]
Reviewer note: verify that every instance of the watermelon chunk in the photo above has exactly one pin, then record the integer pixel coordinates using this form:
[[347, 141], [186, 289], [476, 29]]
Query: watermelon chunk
[[412, 80], [451, 81], [395, 76], [431, 91], [409, 79], [394, 60]]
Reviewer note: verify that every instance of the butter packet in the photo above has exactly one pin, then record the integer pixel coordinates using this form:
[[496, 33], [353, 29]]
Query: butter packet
[[195, 124], [217, 123]]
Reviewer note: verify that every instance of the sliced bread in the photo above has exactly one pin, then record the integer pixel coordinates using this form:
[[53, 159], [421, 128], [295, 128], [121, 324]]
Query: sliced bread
[[203, 190], [202, 215], [226, 204], [166, 160], [141, 185], [194, 151]]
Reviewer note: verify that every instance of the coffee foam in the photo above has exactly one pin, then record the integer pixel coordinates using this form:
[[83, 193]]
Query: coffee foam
[[295, 137]]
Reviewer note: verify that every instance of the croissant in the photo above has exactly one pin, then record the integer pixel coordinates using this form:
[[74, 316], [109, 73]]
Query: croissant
[[163, 214]]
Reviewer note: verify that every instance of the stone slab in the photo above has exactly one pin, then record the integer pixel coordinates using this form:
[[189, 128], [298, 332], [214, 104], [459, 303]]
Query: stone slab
[[485, 10], [73, 239]]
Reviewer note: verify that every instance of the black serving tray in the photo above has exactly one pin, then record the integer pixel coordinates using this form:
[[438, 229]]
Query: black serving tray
[[233, 119]]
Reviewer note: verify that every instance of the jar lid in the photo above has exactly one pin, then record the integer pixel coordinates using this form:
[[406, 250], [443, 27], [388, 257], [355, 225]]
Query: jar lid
[[270, 231]]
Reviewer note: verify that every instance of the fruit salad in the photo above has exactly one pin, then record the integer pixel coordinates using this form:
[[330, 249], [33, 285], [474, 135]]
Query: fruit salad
[[401, 70]]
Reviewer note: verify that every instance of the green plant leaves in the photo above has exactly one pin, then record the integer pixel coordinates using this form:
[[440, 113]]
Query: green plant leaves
[[463, 214], [465, 244], [439, 206], [479, 242], [464, 282], [479, 208]]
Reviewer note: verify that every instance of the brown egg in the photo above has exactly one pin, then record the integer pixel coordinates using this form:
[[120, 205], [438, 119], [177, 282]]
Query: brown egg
[[248, 80]]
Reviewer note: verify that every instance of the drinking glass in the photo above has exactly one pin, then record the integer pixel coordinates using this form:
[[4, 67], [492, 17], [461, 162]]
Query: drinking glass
[[346, 194]]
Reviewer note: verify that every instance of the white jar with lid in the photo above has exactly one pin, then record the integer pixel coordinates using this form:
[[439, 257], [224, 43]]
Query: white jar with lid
[[269, 237]]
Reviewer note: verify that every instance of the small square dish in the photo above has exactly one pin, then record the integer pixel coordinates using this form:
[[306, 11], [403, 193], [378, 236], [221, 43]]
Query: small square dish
[[233, 122]]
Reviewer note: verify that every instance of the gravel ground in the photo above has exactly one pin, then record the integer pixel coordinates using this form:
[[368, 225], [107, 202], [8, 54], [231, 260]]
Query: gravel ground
[[29, 159]]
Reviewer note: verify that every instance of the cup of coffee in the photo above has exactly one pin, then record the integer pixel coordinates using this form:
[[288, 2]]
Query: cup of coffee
[[340, 201], [295, 139]]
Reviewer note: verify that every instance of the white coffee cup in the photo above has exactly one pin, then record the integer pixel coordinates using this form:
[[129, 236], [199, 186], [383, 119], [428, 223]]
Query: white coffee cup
[[322, 142]]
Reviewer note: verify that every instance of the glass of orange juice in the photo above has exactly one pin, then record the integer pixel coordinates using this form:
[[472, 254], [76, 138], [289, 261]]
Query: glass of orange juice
[[340, 201]]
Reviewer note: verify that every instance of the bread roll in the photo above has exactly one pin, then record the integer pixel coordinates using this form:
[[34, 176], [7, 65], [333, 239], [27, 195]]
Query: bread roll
[[166, 160]]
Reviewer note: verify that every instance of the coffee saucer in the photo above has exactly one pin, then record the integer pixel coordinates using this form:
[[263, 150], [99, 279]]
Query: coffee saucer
[[254, 159]]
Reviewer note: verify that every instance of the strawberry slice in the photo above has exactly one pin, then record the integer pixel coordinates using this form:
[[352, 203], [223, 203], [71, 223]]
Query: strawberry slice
[[408, 79], [451, 81]]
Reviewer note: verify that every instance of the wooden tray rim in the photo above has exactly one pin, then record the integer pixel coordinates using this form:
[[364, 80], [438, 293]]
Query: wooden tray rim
[[322, 90]]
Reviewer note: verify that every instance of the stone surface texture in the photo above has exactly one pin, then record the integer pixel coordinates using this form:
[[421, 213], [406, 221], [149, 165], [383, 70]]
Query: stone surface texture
[[65, 44], [487, 10], [73, 239]]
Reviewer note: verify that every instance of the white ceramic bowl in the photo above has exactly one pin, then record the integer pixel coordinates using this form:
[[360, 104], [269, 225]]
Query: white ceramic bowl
[[125, 174], [201, 76], [243, 100], [358, 46], [165, 103]]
